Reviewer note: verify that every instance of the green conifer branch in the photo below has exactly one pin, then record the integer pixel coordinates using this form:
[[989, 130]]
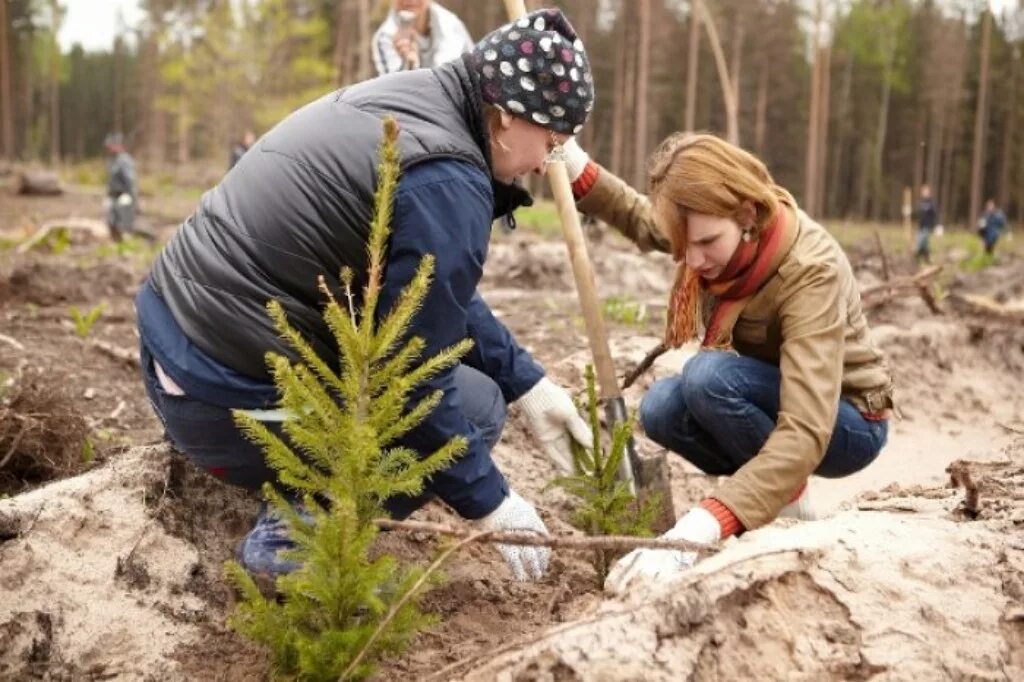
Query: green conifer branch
[[606, 506], [340, 611]]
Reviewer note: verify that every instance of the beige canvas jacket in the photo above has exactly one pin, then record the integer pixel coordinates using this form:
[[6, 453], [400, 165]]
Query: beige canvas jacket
[[807, 320]]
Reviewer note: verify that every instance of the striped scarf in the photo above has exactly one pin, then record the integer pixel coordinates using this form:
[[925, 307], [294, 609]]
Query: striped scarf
[[752, 264]]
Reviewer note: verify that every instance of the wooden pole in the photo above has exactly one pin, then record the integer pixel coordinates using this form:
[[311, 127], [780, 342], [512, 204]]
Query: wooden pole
[[586, 289]]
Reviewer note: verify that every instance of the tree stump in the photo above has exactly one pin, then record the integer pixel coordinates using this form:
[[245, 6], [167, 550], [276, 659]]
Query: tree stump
[[39, 183]]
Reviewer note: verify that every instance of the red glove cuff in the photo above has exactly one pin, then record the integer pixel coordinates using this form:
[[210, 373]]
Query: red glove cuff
[[726, 519], [585, 182]]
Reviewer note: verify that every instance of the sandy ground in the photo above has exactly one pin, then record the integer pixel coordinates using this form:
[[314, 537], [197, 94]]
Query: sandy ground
[[115, 573]]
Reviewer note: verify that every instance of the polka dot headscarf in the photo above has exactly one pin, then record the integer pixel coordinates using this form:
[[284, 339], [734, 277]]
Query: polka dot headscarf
[[535, 68]]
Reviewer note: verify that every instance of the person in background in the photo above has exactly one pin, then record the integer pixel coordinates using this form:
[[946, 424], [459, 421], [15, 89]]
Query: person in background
[[991, 226], [297, 207], [241, 147], [787, 382], [122, 193], [418, 34], [927, 214]]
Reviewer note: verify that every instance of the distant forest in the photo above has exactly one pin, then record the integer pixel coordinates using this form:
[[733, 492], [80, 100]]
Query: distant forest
[[848, 102]]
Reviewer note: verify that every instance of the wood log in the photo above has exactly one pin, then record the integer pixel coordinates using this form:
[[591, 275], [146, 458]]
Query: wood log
[[981, 306], [39, 183]]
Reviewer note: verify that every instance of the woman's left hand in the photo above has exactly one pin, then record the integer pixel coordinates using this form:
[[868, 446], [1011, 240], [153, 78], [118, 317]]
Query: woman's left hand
[[647, 565]]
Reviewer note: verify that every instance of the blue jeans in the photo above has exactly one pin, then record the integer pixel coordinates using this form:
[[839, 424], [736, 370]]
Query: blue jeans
[[922, 249], [720, 410], [208, 436]]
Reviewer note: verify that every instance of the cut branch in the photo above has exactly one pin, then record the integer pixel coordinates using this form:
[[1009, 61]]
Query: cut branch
[[645, 364], [614, 542]]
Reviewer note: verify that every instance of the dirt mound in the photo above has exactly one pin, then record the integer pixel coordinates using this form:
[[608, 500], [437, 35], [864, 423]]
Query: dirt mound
[[42, 433], [526, 262], [47, 283], [873, 591]]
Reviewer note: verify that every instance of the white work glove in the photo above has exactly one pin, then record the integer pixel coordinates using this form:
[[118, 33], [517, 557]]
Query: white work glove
[[516, 514], [124, 199], [553, 418], [647, 565], [575, 159], [801, 508]]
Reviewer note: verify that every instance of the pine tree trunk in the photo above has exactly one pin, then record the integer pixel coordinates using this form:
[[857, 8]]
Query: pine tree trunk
[[735, 67], [118, 58], [919, 146], [183, 127], [877, 190], [365, 35], [732, 132], [761, 107], [338, 58], [6, 97], [642, 80], [810, 197], [937, 127], [1009, 133], [825, 90], [156, 132], [691, 66], [980, 121], [628, 88], [619, 103], [946, 203], [838, 158]]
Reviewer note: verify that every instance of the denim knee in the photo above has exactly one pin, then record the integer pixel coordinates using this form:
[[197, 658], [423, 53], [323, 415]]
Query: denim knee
[[492, 421], [707, 380], [482, 403], [660, 408]]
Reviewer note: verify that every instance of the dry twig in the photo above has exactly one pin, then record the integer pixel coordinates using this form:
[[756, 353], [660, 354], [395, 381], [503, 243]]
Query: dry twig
[[645, 364], [617, 542], [960, 475]]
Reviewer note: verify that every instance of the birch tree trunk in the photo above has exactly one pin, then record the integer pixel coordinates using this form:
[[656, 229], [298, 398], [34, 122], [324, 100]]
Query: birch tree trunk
[[691, 65], [980, 121], [6, 96], [642, 80]]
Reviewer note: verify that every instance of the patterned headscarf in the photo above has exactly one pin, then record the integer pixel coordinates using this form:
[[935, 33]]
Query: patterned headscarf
[[536, 68]]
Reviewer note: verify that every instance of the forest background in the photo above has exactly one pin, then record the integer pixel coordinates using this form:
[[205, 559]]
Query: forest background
[[848, 101]]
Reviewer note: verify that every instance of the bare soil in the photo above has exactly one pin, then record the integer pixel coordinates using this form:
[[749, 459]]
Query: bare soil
[[116, 571]]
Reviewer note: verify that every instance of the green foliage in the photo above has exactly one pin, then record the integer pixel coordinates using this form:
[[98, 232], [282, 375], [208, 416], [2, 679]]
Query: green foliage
[[606, 505], [345, 424], [85, 322], [541, 218], [59, 241], [88, 452], [624, 310]]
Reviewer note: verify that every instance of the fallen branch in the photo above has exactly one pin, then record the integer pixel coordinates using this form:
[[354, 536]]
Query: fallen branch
[[880, 294], [909, 281], [960, 476], [125, 355], [1011, 429], [11, 341], [886, 273], [94, 227], [984, 307], [616, 542], [397, 606], [645, 364]]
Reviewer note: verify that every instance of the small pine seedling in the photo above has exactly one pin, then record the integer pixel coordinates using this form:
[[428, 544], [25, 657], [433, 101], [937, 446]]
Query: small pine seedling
[[341, 610], [606, 506], [85, 322]]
